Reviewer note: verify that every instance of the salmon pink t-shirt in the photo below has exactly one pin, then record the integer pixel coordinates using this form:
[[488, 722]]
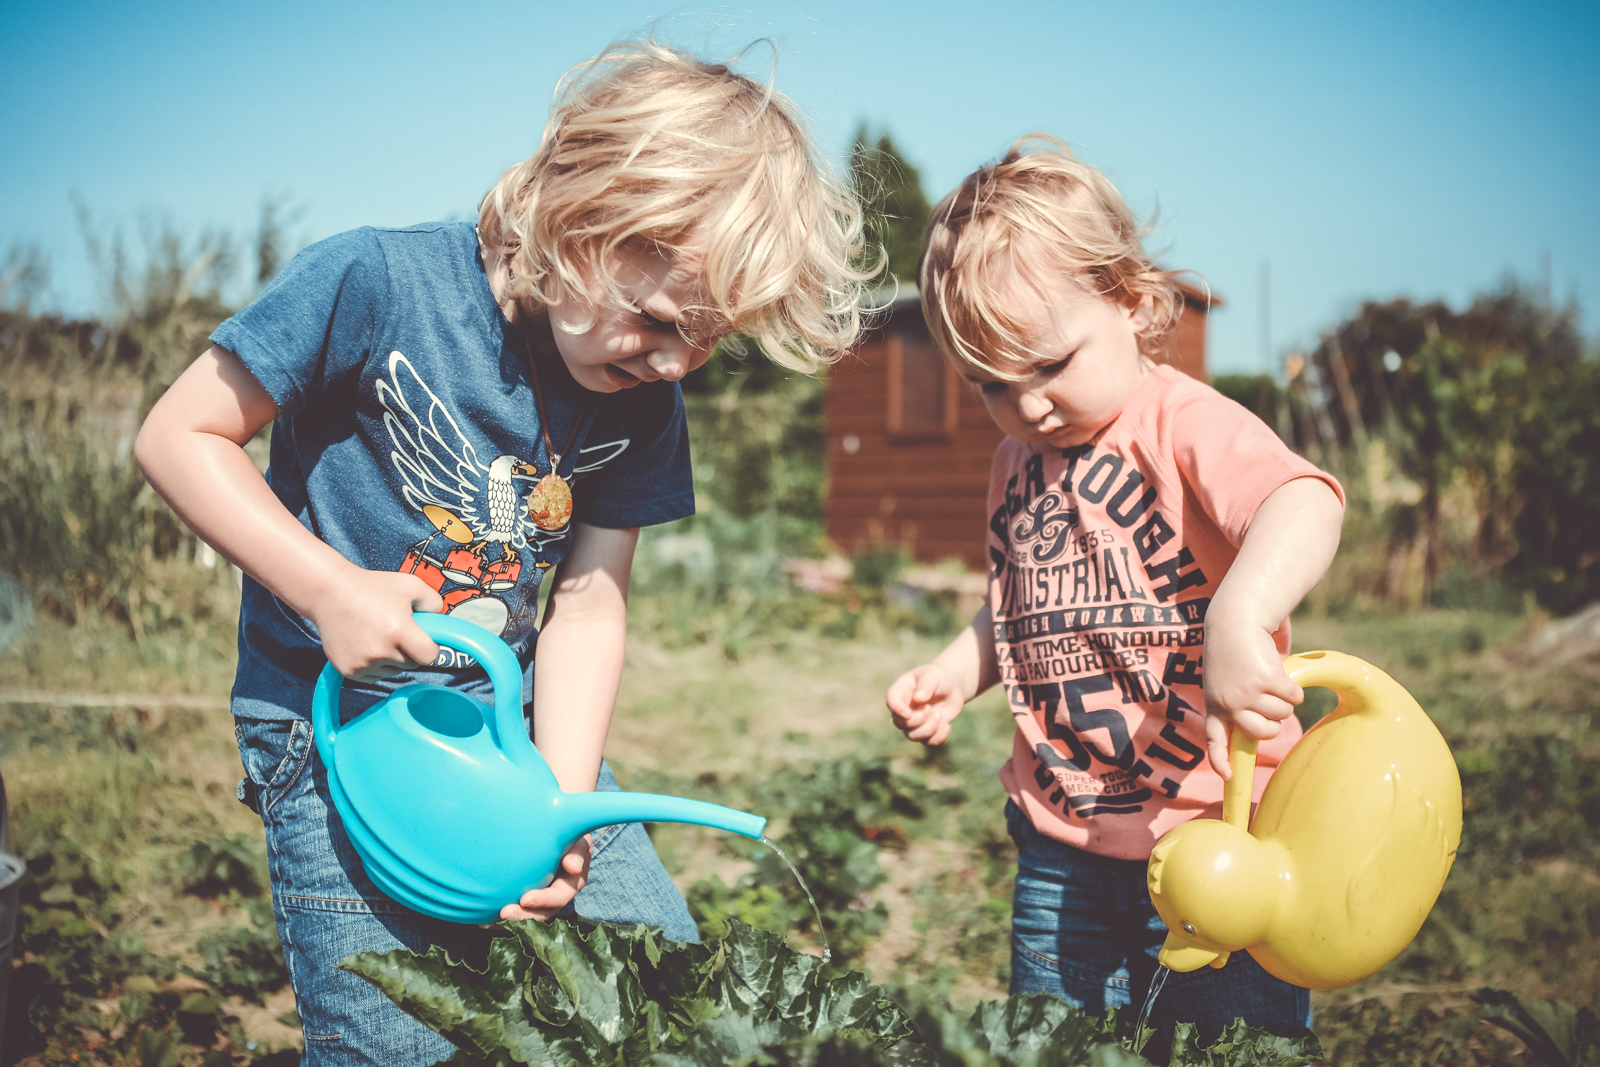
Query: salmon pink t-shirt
[[1103, 560]]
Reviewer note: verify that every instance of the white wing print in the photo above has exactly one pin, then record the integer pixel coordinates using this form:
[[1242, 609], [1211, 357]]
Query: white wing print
[[603, 454], [434, 458]]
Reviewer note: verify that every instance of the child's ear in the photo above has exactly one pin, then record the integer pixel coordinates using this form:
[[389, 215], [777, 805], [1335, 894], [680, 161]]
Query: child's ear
[[1142, 314]]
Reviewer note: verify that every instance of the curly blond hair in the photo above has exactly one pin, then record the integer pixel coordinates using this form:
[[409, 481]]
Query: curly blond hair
[[648, 146], [1039, 214]]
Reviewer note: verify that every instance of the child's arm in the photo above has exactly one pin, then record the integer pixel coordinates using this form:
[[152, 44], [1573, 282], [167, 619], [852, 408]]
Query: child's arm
[[1287, 550], [191, 448], [576, 671], [925, 700]]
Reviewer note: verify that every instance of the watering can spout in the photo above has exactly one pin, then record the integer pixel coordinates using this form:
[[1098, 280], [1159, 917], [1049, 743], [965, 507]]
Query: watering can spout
[[1179, 955], [583, 812]]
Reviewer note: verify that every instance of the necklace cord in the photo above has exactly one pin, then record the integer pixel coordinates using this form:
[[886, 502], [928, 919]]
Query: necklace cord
[[533, 374], [544, 421]]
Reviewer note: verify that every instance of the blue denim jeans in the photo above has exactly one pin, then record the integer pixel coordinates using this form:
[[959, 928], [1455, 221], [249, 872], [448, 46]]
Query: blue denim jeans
[[327, 908], [1083, 929]]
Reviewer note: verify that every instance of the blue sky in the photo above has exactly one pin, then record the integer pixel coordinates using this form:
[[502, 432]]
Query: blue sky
[[1365, 150]]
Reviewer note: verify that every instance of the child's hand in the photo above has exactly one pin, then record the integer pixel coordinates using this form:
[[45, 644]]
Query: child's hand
[[1245, 685], [366, 625], [542, 904], [924, 701]]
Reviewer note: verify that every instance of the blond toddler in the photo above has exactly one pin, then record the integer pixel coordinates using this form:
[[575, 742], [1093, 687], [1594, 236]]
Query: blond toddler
[[1148, 539]]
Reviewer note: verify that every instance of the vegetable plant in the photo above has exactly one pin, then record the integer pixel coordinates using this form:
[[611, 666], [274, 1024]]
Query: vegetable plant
[[558, 993]]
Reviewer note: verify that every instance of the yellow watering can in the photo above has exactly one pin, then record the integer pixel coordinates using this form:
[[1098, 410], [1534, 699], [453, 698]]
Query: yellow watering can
[[1348, 850]]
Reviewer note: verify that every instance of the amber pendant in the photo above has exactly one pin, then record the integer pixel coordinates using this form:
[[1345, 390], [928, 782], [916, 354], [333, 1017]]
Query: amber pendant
[[550, 502]]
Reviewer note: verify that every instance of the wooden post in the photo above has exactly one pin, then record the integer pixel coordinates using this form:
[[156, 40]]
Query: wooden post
[[1347, 395]]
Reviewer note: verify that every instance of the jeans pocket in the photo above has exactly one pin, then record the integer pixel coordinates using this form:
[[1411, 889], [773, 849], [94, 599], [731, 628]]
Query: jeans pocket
[[274, 753], [1014, 821]]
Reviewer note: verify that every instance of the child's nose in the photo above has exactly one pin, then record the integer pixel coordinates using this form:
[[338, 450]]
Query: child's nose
[[1032, 405], [674, 359]]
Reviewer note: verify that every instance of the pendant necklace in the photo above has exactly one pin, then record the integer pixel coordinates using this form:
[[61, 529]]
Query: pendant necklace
[[550, 502]]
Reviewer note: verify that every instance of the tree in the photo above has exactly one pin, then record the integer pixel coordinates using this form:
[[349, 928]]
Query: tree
[[897, 208], [1504, 394]]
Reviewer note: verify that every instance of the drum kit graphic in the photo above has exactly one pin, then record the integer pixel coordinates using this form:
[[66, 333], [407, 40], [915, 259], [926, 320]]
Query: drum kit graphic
[[461, 564]]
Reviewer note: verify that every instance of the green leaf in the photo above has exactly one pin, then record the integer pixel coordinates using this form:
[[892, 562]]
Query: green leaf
[[726, 1038], [1027, 1023], [1558, 1033], [158, 1048], [765, 975], [480, 1012], [590, 967], [1242, 1045], [1114, 1056]]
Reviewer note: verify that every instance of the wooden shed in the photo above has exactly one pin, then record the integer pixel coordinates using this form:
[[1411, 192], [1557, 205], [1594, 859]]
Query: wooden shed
[[909, 441]]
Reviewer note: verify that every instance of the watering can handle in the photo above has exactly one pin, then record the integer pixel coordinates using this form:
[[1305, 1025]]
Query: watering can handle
[[1236, 790], [1337, 671], [493, 654], [1361, 685]]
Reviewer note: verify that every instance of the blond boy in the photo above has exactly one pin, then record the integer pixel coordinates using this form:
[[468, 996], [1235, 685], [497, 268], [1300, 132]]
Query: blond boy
[[457, 410]]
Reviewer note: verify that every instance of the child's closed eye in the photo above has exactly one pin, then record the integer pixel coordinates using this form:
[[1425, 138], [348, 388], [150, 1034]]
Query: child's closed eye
[[993, 388]]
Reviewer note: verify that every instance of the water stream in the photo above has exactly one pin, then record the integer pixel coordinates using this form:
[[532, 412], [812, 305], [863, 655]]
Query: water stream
[[1157, 980], [827, 950]]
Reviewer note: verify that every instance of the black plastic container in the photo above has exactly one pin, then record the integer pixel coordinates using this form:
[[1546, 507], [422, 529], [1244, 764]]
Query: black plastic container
[[11, 869]]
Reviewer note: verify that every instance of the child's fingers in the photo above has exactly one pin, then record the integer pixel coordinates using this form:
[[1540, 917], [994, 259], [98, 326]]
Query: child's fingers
[[417, 646], [931, 685], [901, 693], [1217, 745], [905, 713], [1263, 719], [425, 597], [934, 729], [543, 904], [914, 690], [555, 895], [1285, 689]]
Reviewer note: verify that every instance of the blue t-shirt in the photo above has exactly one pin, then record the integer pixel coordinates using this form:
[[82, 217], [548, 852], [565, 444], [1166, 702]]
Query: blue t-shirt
[[408, 439]]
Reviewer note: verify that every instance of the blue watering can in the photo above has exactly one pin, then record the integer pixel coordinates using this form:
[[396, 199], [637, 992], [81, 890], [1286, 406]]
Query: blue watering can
[[453, 811]]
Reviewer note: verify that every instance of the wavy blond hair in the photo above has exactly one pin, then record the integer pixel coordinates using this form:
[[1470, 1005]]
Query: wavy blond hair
[[1038, 214], [648, 146]]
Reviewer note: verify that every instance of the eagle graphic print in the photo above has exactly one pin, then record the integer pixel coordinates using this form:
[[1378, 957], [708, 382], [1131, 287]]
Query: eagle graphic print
[[480, 544]]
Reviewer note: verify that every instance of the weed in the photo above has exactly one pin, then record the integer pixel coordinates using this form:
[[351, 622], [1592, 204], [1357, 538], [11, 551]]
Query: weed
[[839, 814], [245, 961], [1558, 1033], [1412, 1028], [877, 567], [224, 863]]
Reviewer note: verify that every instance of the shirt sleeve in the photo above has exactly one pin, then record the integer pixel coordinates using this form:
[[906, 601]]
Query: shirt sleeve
[[1232, 461], [315, 323], [651, 481]]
